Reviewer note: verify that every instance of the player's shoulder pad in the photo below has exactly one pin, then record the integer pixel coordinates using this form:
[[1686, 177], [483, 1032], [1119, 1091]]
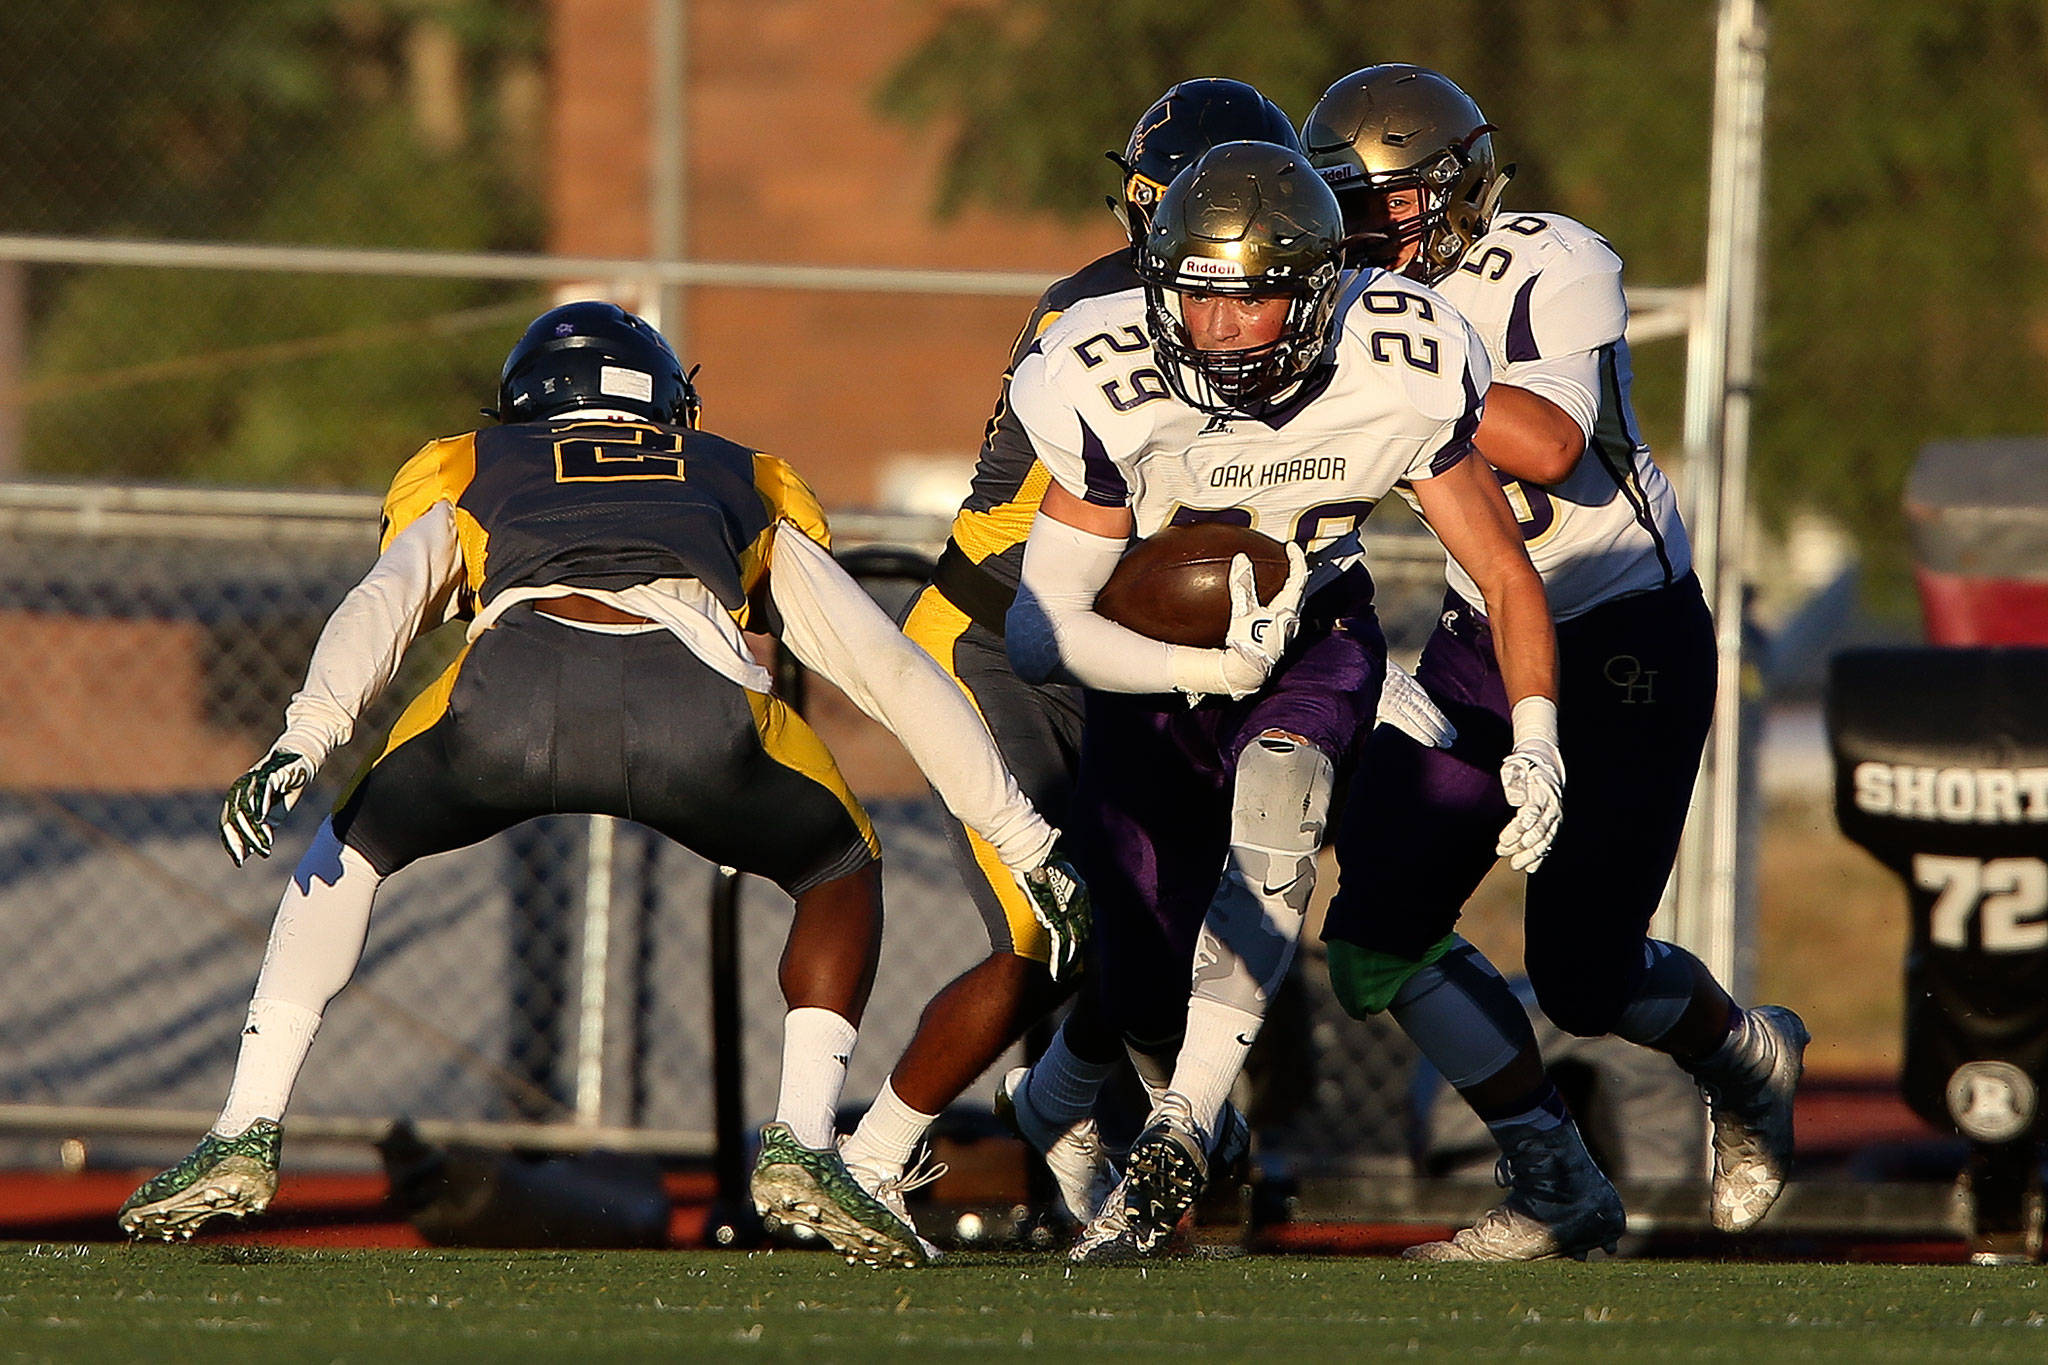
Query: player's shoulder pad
[[1056, 362], [438, 472], [1566, 283], [1566, 253], [1115, 273], [786, 497], [1449, 360]]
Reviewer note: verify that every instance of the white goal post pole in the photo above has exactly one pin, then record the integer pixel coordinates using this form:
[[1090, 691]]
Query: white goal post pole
[[1715, 909]]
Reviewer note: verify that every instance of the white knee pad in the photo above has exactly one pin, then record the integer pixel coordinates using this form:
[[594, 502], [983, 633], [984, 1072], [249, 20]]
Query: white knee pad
[[1278, 810]]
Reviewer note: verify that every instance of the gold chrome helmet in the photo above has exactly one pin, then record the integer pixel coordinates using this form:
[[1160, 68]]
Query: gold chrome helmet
[[1397, 127], [1182, 124], [1248, 218]]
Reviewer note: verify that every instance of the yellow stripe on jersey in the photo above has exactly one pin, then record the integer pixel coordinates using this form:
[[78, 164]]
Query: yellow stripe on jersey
[[788, 498], [935, 625], [417, 718], [796, 746], [984, 534], [784, 497], [438, 473]]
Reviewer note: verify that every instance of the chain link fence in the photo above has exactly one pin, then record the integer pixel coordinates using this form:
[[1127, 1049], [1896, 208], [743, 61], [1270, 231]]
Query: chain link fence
[[279, 244], [544, 977]]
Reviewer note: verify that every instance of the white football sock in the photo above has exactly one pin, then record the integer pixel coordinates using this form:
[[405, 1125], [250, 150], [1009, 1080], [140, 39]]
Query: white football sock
[[816, 1047], [274, 1044], [315, 943], [1154, 1069], [1211, 1056], [1062, 1087], [888, 1133]]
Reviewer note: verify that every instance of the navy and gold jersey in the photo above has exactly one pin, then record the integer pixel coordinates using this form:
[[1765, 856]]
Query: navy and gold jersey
[[605, 504], [992, 525]]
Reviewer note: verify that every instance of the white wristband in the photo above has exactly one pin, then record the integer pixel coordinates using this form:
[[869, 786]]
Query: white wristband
[[1536, 718], [1198, 672]]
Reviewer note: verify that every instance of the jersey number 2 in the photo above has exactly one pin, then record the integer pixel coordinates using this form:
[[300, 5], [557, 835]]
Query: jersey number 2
[[651, 454]]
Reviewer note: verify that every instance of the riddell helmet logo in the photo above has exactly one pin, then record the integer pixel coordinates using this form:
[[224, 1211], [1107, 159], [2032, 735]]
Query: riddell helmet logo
[[1210, 268], [1337, 175]]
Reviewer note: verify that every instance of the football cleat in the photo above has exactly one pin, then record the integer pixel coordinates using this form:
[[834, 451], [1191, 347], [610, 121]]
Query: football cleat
[[795, 1187], [1167, 1167], [1752, 1118], [889, 1189], [1079, 1165], [1559, 1204], [223, 1176], [1118, 1235]]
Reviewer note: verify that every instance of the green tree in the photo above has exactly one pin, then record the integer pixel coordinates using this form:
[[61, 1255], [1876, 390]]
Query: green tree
[[296, 121], [1904, 275]]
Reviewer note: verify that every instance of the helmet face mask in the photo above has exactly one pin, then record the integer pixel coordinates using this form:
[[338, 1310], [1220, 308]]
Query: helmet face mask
[[590, 354], [1181, 125], [1393, 127], [1254, 220]]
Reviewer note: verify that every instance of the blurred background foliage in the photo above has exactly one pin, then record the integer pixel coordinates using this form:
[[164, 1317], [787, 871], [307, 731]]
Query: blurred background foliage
[[1907, 166], [399, 123]]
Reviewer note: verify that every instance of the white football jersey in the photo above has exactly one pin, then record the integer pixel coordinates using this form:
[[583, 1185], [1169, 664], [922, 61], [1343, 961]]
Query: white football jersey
[[1401, 402], [1544, 293]]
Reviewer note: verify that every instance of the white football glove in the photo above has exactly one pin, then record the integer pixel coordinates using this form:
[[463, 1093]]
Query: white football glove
[[267, 790], [1408, 708], [1059, 898], [1259, 633], [1532, 778]]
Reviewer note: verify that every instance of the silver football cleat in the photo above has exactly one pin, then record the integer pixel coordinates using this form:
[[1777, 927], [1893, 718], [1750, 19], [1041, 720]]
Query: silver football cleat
[[1752, 1118], [1559, 1204]]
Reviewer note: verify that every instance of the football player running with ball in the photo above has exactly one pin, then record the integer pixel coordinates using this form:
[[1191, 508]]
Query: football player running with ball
[[959, 619], [1412, 162], [606, 555], [1239, 385]]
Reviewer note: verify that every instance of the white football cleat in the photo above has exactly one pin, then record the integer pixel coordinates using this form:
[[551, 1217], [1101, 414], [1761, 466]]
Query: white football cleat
[[1752, 1116], [1075, 1156], [1559, 1204]]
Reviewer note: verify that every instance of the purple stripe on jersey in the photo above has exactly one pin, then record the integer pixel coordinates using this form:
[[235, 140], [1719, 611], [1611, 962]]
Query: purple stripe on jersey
[[1314, 387], [1106, 486], [1460, 445], [1521, 332]]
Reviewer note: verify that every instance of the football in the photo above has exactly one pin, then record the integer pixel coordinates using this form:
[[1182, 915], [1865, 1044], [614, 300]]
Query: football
[[1175, 585]]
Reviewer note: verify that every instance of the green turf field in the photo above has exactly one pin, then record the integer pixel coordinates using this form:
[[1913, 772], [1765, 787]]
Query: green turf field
[[224, 1303]]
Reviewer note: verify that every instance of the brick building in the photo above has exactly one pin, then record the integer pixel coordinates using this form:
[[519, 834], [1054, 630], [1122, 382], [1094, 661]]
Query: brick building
[[788, 162]]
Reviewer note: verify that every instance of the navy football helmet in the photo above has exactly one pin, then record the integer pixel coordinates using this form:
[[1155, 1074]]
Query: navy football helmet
[[1182, 124], [594, 355]]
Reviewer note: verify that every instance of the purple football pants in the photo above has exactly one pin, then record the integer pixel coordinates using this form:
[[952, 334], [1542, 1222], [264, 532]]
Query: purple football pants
[[1150, 822], [1636, 695]]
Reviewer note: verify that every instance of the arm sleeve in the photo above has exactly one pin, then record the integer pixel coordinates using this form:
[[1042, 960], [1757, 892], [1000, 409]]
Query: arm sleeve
[[409, 590], [837, 630], [1054, 632]]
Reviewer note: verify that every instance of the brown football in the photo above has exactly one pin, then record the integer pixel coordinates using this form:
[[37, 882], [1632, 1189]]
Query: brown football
[[1175, 585]]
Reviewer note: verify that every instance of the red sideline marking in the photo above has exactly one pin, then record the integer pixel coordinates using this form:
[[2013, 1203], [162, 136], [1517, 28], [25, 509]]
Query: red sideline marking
[[1347, 1239]]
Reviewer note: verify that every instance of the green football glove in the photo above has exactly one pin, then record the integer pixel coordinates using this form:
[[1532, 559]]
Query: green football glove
[[270, 788], [1059, 898]]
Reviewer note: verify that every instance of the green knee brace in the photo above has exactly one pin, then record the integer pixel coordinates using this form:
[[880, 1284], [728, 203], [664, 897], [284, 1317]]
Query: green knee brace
[[1366, 982]]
